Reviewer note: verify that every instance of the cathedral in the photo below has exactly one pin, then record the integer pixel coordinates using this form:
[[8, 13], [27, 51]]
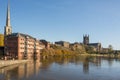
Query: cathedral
[[97, 46], [85, 39]]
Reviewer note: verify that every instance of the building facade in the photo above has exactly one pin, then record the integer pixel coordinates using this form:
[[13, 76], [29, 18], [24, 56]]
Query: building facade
[[46, 43], [76, 45], [96, 46], [22, 46], [105, 50], [85, 39], [63, 43]]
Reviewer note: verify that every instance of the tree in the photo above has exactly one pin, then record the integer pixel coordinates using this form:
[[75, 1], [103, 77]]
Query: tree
[[110, 48], [89, 49]]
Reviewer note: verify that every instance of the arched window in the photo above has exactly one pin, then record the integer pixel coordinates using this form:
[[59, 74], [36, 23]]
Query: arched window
[[8, 30]]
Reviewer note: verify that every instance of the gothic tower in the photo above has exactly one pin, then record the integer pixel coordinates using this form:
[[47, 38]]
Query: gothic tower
[[8, 28], [85, 39]]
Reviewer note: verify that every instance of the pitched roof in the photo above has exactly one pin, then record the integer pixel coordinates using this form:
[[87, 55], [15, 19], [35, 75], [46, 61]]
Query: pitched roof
[[20, 34]]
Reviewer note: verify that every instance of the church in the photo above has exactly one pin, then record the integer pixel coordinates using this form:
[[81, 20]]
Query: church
[[96, 46]]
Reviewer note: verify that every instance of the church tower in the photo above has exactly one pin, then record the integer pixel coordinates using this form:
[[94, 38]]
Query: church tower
[[8, 28], [85, 39]]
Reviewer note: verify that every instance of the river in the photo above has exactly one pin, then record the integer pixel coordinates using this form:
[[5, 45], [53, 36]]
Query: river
[[64, 68]]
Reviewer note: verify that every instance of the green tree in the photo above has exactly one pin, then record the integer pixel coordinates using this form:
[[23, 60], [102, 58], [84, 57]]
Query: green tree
[[89, 49]]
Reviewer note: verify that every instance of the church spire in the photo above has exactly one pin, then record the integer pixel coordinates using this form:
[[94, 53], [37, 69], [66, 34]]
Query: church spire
[[8, 15], [8, 29]]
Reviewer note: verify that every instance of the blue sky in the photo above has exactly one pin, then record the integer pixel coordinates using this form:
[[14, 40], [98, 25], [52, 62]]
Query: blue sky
[[66, 20]]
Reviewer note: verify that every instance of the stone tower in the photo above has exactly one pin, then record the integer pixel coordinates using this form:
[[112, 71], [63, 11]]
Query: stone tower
[[85, 39], [8, 28]]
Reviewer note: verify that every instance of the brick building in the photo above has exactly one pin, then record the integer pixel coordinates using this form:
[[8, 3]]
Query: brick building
[[46, 43], [22, 45], [96, 46], [63, 43]]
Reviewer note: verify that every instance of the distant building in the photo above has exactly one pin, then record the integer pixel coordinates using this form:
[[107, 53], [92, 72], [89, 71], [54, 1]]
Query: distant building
[[116, 51], [105, 50], [46, 43], [22, 45], [85, 39], [63, 43], [96, 46], [76, 46], [42, 45]]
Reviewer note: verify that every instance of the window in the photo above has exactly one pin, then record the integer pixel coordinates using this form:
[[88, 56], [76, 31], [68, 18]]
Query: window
[[8, 30]]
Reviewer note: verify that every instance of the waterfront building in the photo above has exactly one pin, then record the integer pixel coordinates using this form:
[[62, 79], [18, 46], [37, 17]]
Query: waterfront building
[[63, 43], [18, 44], [22, 45], [46, 43]]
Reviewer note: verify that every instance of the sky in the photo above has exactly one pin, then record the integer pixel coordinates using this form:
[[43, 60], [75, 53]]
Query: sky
[[67, 20]]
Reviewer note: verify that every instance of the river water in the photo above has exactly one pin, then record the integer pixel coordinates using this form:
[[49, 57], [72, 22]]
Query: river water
[[64, 68]]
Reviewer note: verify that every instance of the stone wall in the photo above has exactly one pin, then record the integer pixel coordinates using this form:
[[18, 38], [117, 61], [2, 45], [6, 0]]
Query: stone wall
[[4, 63]]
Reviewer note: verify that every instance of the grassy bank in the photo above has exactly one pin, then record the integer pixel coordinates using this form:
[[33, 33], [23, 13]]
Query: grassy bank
[[52, 52], [61, 51]]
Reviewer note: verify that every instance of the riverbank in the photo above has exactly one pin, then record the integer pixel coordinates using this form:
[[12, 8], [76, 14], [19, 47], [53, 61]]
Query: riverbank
[[5, 63], [102, 55], [46, 53], [62, 51]]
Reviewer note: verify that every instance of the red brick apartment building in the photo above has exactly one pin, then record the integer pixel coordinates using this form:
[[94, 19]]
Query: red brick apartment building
[[22, 45]]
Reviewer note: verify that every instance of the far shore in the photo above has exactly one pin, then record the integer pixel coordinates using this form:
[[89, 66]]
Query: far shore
[[86, 54], [102, 55], [5, 63]]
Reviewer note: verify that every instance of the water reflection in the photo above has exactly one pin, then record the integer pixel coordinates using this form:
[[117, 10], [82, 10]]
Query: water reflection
[[16, 72], [83, 60], [63, 68]]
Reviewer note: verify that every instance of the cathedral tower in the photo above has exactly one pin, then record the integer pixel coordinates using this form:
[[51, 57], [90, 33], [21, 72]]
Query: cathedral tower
[[85, 39], [8, 28]]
